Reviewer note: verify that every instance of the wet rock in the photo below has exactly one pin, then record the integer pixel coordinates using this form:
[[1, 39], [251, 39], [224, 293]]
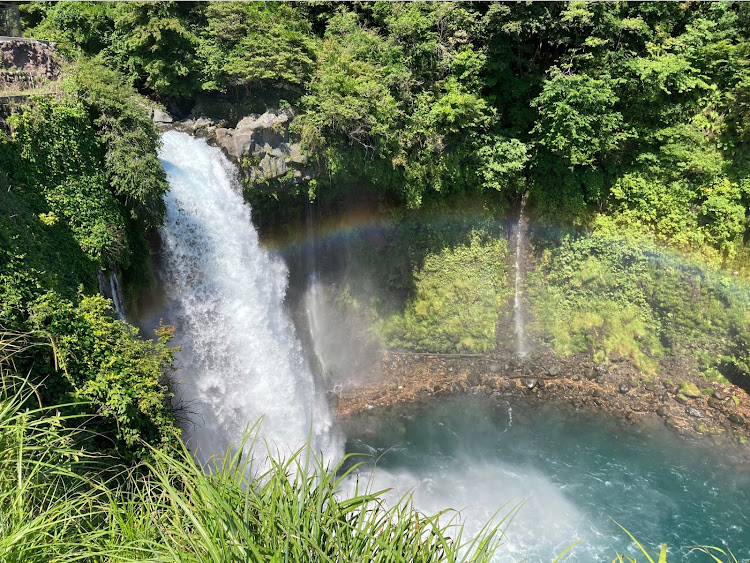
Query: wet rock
[[624, 388], [718, 395], [457, 387], [473, 379], [618, 413], [715, 403], [541, 384], [507, 385], [601, 379], [735, 419], [701, 428], [490, 383], [598, 393], [680, 398], [662, 412], [555, 370], [576, 377], [695, 413], [333, 399], [496, 368], [530, 382]]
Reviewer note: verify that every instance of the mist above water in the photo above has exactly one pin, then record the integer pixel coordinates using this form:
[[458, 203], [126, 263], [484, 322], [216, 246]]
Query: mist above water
[[574, 473], [240, 358]]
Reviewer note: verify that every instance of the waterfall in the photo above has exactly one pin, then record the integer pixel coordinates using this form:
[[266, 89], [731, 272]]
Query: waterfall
[[114, 285], [517, 297], [240, 358], [314, 299], [109, 287]]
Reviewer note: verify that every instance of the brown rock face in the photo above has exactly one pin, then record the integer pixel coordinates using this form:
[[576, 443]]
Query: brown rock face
[[25, 62]]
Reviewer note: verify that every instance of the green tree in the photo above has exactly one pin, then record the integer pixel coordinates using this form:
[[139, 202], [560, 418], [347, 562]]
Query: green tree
[[249, 44], [154, 46]]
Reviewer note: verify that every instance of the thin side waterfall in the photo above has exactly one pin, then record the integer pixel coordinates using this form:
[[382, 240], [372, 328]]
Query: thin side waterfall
[[109, 287], [518, 297], [315, 305], [240, 358], [114, 284]]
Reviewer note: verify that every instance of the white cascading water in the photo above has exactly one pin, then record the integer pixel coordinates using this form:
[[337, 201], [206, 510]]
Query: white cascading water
[[109, 287], [517, 298], [114, 285], [240, 357]]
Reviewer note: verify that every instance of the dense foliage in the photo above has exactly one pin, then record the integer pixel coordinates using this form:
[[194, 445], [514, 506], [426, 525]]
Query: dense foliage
[[617, 120], [620, 299], [588, 106], [623, 125], [80, 183]]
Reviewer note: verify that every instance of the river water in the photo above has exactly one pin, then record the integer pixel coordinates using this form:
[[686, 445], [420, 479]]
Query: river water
[[573, 474]]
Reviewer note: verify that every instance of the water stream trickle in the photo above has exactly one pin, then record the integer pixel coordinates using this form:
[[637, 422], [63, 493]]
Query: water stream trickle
[[109, 287], [517, 297], [114, 284], [240, 358]]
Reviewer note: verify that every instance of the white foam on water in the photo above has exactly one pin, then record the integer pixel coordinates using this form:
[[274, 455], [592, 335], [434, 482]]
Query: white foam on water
[[544, 525]]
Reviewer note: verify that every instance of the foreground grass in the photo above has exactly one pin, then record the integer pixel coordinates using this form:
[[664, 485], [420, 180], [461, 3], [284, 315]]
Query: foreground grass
[[61, 503]]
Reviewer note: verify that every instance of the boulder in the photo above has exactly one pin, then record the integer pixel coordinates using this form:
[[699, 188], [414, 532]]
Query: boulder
[[333, 399], [689, 389], [735, 419], [473, 379], [261, 145], [715, 403], [161, 116], [507, 385], [457, 387]]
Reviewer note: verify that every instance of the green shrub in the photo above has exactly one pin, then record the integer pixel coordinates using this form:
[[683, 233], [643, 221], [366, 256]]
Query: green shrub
[[456, 301]]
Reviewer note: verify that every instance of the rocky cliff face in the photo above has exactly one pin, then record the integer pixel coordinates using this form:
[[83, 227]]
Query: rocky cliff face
[[260, 144], [24, 63]]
